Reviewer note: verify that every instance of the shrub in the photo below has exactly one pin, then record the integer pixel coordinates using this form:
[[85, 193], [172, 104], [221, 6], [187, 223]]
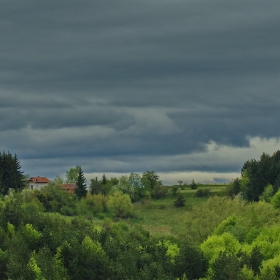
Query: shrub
[[159, 191], [174, 190], [120, 204], [67, 211], [202, 193]]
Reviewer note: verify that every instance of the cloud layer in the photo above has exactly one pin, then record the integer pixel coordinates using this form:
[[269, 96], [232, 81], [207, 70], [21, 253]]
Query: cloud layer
[[121, 86]]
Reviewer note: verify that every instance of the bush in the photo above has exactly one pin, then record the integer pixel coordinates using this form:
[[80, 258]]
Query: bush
[[120, 204], [202, 193], [67, 211], [159, 191], [174, 190]]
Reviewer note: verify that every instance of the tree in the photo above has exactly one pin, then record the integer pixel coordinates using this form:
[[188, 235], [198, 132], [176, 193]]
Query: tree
[[58, 180], [180, 201], [120, 204], [152, 177], [180, 182], [190, 262], [135, 180], [104, 179], [234, 188], [11, 176], [72, 175], [267, 193], [275, 201], [81, 190], [193, 185], [257, 174], [125, 186], [95, 187]]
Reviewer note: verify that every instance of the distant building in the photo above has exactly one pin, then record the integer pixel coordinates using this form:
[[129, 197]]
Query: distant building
[[37, 183], [70, 188]]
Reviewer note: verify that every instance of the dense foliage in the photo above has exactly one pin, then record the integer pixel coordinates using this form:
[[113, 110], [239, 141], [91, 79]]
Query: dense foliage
[[257, 174], [11, 175], [34, 245], [91, 234]]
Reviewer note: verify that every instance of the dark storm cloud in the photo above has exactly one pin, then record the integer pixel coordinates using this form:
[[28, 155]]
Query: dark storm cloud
[[41, 117], [111, 79]]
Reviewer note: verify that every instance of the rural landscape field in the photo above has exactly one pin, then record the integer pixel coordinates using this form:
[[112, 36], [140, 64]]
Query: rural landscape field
[[134, 227]]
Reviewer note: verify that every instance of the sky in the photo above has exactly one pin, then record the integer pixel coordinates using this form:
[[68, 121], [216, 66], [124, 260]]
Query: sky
[[187, 88]]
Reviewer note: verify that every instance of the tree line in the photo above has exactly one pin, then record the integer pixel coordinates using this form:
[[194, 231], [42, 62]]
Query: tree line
[[260, 179]]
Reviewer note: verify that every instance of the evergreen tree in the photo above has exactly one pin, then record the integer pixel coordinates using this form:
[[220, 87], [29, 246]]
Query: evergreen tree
[[95, 186], [226, 266], [257, 174], [180, 201], [193, 185], [80, 189], [104, 179], [11, 176]]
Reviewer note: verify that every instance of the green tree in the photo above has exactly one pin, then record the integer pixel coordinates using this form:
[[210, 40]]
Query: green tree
[[104, 179], [120, 204], [267, 193], [275, 201], [11, 176], [234, 188], [180, 201], [227, 266], [190, 262], [180, 182], [72, 175], [125, 186], [81, 190], [58, 180], [152, 177], [257, 174], [193, 185], [95, 186]]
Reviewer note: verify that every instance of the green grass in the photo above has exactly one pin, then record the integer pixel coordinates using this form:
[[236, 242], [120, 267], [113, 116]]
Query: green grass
[[162, 217]]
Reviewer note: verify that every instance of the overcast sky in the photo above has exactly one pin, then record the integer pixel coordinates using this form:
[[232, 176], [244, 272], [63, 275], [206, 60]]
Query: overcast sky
[[187, 88]]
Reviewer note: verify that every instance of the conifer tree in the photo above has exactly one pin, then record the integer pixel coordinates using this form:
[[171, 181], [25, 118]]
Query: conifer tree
[[104, 179], [11, 176], [80, 189], [180, 201]]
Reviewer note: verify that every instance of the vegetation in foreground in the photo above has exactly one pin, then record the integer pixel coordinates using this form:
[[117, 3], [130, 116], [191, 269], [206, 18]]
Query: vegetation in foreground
[[135, 228]]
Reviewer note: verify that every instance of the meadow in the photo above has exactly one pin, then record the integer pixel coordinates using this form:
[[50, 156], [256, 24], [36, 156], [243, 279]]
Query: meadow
[[162, 217]]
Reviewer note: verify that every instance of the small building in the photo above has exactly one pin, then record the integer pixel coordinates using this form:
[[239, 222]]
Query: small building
[[37, 183], [69, 188]]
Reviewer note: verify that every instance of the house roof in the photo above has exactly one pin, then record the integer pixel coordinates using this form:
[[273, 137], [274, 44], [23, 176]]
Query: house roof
[[38, 180], [70, 188]]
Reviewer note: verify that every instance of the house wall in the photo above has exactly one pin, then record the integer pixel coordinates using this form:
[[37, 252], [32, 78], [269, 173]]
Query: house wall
[[36, 185]]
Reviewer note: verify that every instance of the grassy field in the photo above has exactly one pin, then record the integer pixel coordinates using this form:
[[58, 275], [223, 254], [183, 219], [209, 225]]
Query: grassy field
[[162, 217]]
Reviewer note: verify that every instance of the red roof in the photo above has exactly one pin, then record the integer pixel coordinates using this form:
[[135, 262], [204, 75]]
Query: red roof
[[38, 180], [70, 188]]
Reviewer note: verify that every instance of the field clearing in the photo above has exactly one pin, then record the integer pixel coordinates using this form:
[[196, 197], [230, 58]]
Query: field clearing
[[162, 217]]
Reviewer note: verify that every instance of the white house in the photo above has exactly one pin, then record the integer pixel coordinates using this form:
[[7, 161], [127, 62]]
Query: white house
[[37, 183]]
